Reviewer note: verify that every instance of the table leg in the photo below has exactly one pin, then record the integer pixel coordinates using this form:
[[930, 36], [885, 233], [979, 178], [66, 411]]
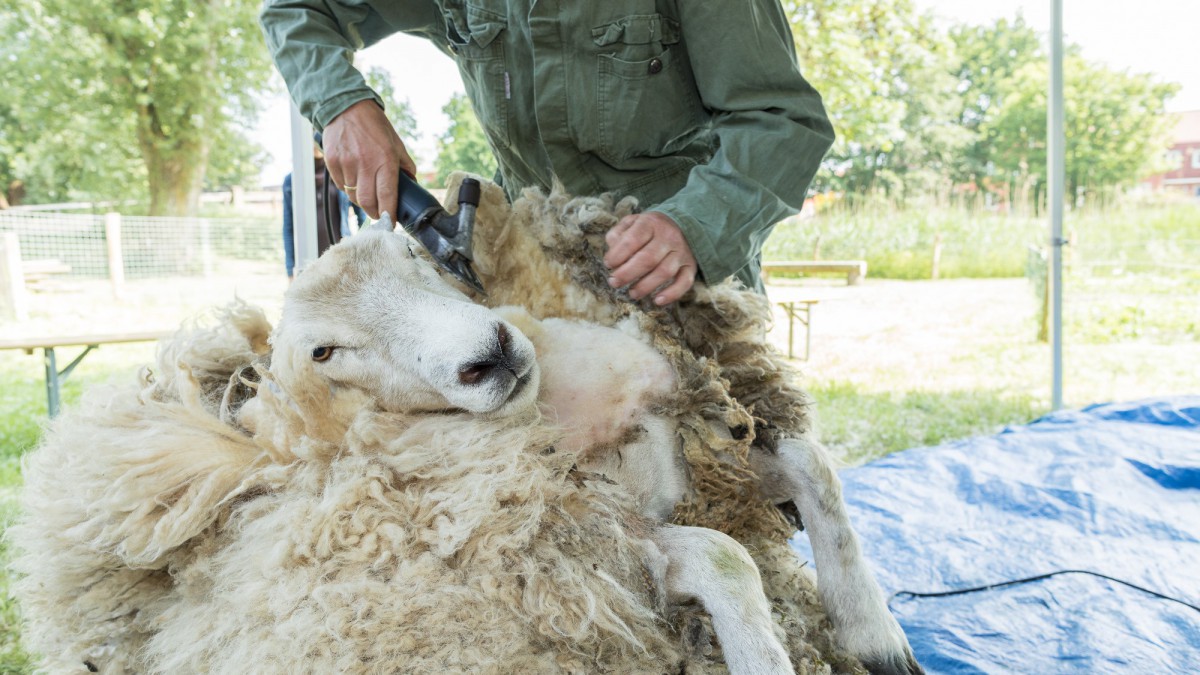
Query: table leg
[[54, 378], [807, 331], [790, 309], [52, 389]]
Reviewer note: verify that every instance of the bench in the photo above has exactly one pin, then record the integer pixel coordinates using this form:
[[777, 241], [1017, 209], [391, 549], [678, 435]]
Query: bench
[[54, 376], [854, 270]]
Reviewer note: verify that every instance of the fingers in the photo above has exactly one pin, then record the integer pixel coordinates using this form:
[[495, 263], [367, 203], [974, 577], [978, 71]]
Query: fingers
[[626, 239], [647, 253], [658, 276], [365, 157], [645, 263], [684, 281]]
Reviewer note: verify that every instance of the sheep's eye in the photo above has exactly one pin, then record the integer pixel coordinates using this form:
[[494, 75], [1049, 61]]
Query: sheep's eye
[[322, 353]]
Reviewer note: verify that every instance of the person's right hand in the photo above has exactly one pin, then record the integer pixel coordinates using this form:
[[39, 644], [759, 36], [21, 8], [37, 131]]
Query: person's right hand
[[365, 157]]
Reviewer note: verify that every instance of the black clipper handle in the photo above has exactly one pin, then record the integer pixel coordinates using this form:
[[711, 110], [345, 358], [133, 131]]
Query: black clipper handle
[[415, 202]]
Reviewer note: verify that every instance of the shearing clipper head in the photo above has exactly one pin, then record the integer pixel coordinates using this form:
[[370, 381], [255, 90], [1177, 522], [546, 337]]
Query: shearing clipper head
[[446, 237]]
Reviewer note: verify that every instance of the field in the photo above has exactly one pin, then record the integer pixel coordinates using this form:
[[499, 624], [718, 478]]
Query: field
[[899, 361]]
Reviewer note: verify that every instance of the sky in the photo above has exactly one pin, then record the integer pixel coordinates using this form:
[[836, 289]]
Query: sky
[[1159, 37]]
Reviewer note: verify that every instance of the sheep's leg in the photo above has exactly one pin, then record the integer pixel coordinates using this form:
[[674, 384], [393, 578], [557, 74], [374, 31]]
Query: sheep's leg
[[802, 472], [716, 570]]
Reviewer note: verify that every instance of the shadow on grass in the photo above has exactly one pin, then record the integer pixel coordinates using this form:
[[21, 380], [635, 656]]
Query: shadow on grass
[[861, 426]]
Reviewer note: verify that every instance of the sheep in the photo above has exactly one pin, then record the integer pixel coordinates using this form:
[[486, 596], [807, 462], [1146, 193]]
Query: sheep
[[323, 512], [178, 599]]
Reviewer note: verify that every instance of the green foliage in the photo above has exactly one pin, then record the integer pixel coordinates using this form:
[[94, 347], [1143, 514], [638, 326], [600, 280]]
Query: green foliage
[[921, 111], [884, 70], [128, 99], [1116, 128], [13, 659], [234, 161], [464, 146], [899, 243], [1134, 274]]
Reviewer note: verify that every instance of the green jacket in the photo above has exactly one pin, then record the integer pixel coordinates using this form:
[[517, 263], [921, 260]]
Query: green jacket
[[697, 108]]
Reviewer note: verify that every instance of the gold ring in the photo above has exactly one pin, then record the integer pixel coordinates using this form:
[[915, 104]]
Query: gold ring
[[348, 188]]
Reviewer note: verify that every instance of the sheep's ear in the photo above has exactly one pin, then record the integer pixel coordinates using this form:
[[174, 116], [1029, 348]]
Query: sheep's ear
[[384, 224]]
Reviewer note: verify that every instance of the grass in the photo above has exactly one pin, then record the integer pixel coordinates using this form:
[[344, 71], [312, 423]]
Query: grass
[[900, 243], [860, 425]]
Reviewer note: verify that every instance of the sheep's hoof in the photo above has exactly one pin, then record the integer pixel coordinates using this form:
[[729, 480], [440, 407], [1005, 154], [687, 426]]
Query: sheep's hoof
[[899, 664]]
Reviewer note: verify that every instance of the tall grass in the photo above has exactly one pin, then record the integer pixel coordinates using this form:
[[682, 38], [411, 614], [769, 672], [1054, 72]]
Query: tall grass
[[900, 243]]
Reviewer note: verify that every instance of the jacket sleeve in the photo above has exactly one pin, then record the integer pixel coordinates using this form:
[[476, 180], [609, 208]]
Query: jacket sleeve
[[313, 44], [771, 127]]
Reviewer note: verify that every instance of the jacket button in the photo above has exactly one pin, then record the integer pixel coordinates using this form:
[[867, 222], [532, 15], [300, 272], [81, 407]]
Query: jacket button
[[655, 66]]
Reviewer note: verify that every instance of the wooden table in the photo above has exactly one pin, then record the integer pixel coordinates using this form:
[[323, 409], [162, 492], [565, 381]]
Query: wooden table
[[799, 310], [54, 376]]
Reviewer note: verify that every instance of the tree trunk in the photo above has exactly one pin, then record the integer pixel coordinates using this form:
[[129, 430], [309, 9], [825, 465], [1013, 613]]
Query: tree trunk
[[175, 168]]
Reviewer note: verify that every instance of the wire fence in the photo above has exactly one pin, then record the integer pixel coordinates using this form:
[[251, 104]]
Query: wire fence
[[1120, 283], [92, 246]]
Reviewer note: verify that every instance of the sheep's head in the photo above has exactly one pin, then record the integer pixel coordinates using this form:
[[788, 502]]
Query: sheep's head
[[372, 316]]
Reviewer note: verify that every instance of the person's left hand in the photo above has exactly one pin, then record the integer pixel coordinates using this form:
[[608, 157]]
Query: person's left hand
[[647, 252]]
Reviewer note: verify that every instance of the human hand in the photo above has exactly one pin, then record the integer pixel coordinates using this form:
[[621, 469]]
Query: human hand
[[647, 252], [365, 157]]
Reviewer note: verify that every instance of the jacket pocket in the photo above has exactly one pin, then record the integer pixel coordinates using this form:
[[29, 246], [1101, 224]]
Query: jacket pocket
[[476, 36], [646, 92]]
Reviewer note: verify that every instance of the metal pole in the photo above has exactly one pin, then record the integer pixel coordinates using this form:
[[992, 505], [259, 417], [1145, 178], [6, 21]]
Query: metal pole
[[304, 192], [1057, 178]]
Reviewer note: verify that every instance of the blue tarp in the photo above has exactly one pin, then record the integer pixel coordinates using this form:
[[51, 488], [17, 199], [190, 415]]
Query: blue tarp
[[1113, 489]]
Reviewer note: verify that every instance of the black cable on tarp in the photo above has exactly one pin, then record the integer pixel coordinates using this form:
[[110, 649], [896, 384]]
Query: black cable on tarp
[[1014, 582]]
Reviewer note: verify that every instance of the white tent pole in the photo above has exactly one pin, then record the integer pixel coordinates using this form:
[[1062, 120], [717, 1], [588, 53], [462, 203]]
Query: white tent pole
[[304, 192], [1057, 177]]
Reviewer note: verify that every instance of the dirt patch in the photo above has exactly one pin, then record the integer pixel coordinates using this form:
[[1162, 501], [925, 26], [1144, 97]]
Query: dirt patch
[[968, 335]]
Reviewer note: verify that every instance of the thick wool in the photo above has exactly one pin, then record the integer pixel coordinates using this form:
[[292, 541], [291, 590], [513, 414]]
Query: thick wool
[[210, 515], [545, 252], [159, 538], [122, 490]]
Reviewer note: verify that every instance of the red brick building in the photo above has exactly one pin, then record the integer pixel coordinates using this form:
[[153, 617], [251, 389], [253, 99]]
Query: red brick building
[[1183, 158]]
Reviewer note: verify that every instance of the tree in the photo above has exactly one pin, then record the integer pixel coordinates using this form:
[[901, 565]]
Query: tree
[[464, 146], [116, 96], [883, 69], [988, 57], [1116, 128]]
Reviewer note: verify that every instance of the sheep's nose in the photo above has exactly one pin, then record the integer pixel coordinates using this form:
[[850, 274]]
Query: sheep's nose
[[477, 371]]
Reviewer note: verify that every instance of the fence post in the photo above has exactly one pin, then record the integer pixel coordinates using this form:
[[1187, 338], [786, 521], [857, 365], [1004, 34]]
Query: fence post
[[937, 255], [206, 254], [13, 304], [116, 262]]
